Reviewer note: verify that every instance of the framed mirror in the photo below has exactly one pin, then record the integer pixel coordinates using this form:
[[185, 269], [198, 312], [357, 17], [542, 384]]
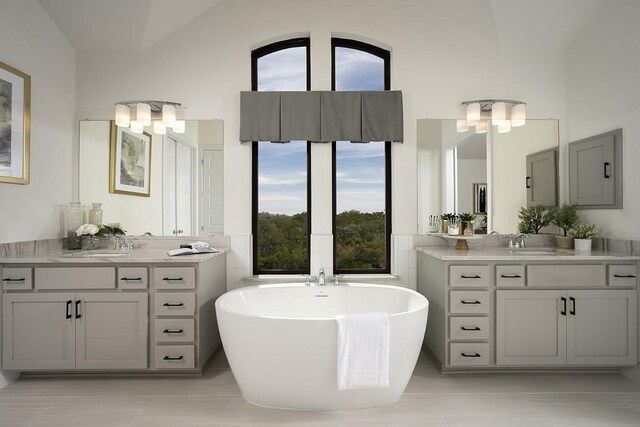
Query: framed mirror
[[185, 176]]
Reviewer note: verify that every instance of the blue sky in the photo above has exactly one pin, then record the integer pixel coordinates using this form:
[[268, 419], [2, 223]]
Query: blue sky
[[282, 179]]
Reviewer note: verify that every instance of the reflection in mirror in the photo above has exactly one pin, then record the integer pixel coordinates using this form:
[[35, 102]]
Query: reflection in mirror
[[460, 172], [186, 181]]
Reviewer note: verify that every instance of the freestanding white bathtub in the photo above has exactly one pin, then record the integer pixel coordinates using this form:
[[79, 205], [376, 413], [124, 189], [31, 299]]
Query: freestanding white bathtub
[[281, 342]]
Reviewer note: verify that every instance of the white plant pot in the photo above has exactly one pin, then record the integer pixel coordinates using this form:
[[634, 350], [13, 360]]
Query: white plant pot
[[582, 244]]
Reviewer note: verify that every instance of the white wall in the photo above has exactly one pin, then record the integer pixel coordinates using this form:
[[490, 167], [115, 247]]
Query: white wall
[[603, 90], [440, 57], [32, 43]]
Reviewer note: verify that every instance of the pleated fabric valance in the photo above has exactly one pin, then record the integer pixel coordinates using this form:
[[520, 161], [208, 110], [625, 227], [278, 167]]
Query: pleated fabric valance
[[321, 116]]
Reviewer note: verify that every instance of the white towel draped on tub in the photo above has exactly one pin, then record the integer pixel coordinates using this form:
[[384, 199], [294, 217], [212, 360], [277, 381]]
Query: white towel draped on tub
[[363, 351]]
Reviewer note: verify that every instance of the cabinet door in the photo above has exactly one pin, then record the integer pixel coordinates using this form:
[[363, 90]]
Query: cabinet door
[[542, 178], [111, 330], [601, 327], [38, 331], [530, 328], [591, 172]]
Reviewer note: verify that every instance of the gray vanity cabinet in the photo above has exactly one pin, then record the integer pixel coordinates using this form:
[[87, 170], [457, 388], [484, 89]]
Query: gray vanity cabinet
[[542, 178], [595, 171]]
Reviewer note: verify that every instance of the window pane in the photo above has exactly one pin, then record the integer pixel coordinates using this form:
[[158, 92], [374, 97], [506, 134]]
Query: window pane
[[360, 212], [282, 206], [360, 206], [282, 234]]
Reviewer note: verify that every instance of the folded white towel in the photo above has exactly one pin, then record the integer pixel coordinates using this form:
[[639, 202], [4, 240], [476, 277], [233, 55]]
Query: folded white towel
[[363, 351]]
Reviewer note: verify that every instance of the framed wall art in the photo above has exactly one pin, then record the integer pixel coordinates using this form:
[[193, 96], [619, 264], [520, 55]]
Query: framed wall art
[[15, 125], [129, 162]]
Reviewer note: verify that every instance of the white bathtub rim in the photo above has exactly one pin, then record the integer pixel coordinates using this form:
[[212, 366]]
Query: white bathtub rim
[[422, 298]]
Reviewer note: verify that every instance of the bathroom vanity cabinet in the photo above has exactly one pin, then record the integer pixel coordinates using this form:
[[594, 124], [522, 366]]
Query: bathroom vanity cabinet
[[145, 315], [501, 311]]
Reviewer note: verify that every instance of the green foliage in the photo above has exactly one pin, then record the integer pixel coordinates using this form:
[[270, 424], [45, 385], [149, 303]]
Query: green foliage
[[466, 216], [534, 218], [566, 218], [283, 242], [449, 216], [360, 240], [107, 230], [584, 231]]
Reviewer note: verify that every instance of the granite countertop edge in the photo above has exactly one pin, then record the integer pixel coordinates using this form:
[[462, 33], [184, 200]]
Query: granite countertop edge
[[503, 254], [141, 256]]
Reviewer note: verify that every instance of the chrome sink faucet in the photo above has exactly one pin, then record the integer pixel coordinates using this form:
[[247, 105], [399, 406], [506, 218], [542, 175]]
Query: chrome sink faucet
[[321, 278], [520, 240]]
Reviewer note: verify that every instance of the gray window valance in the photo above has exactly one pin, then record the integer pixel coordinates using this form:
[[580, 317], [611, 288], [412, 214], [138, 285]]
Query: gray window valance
[[321, 116]]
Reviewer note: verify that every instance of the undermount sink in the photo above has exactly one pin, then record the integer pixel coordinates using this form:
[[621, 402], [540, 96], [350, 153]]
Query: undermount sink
[[100, 254], [533, 251]]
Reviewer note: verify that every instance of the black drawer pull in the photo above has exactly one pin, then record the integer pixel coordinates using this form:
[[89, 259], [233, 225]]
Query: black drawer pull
[[14, 280], [132, 279], [68, 310], [624, 276], [511, 276], [564, 306], [607, 174], [471, 277], [527, 182], [470, 302], [173, 331], [170, 279], [171, 304], [78, 314], [466, 328], [173, 358], [470, 355], [573, 310]]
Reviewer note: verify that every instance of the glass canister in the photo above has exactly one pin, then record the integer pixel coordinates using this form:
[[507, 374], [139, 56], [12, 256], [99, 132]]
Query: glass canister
[[73, 219], [95, 214]]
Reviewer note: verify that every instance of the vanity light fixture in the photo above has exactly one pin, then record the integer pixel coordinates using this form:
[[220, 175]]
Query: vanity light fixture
[[503, 113], [161, 114]]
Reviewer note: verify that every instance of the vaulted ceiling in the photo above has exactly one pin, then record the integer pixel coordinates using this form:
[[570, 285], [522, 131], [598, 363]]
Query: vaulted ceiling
[[136, 25]]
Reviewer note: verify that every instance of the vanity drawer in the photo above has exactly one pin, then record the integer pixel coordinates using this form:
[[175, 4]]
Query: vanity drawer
[[469, 328], [567, 275], [75, 278], [174, 330], [175, 357], [175, 304], [469, 275], [469, 354], [133, 277], [473, 302], [510, 275], [174, 278], [17, 278], [622, 275]]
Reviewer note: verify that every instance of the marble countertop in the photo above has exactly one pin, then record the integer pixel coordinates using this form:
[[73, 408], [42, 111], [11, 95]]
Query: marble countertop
[[526, 254], [105, 256]]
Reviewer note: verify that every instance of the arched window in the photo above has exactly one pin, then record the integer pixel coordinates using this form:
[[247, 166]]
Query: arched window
[[281, 217], [361, 172]]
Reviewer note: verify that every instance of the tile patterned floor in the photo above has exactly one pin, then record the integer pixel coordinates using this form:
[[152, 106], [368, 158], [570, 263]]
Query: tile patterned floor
[[431, 399]]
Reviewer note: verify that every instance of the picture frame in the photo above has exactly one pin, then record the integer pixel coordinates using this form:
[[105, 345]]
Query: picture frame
[[15, 125], [129, 162], [479, 198]]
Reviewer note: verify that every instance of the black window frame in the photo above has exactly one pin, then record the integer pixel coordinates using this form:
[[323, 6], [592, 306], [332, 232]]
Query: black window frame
[[255, 55], [385, 55]]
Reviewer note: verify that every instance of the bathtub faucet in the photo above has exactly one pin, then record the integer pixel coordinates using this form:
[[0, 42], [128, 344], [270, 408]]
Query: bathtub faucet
[[321, 278]]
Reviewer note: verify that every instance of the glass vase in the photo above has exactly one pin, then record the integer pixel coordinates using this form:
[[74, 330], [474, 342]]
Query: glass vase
[[95, 214], [90, 243], [73, 219]]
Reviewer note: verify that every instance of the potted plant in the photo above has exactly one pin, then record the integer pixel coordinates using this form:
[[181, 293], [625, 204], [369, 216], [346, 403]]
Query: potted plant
[[467, 223], [534, 218], [566, 218], [446, 217], [583, 234]]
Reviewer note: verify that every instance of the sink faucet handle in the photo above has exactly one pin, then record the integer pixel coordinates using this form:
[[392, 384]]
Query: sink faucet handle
[[520, 239]]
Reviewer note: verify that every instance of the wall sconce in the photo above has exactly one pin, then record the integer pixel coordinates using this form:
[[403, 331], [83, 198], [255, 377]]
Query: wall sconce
[[503, 113], [162, 114]]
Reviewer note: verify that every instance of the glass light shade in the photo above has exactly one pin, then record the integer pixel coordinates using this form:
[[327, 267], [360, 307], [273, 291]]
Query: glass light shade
[[504, 127], [168, 115], [498, 113], [179, 126], [473, 113], [143, 115], [123, 115], [159, 127], [518, 115], [136, 127], [461, 125], [482, 126]]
